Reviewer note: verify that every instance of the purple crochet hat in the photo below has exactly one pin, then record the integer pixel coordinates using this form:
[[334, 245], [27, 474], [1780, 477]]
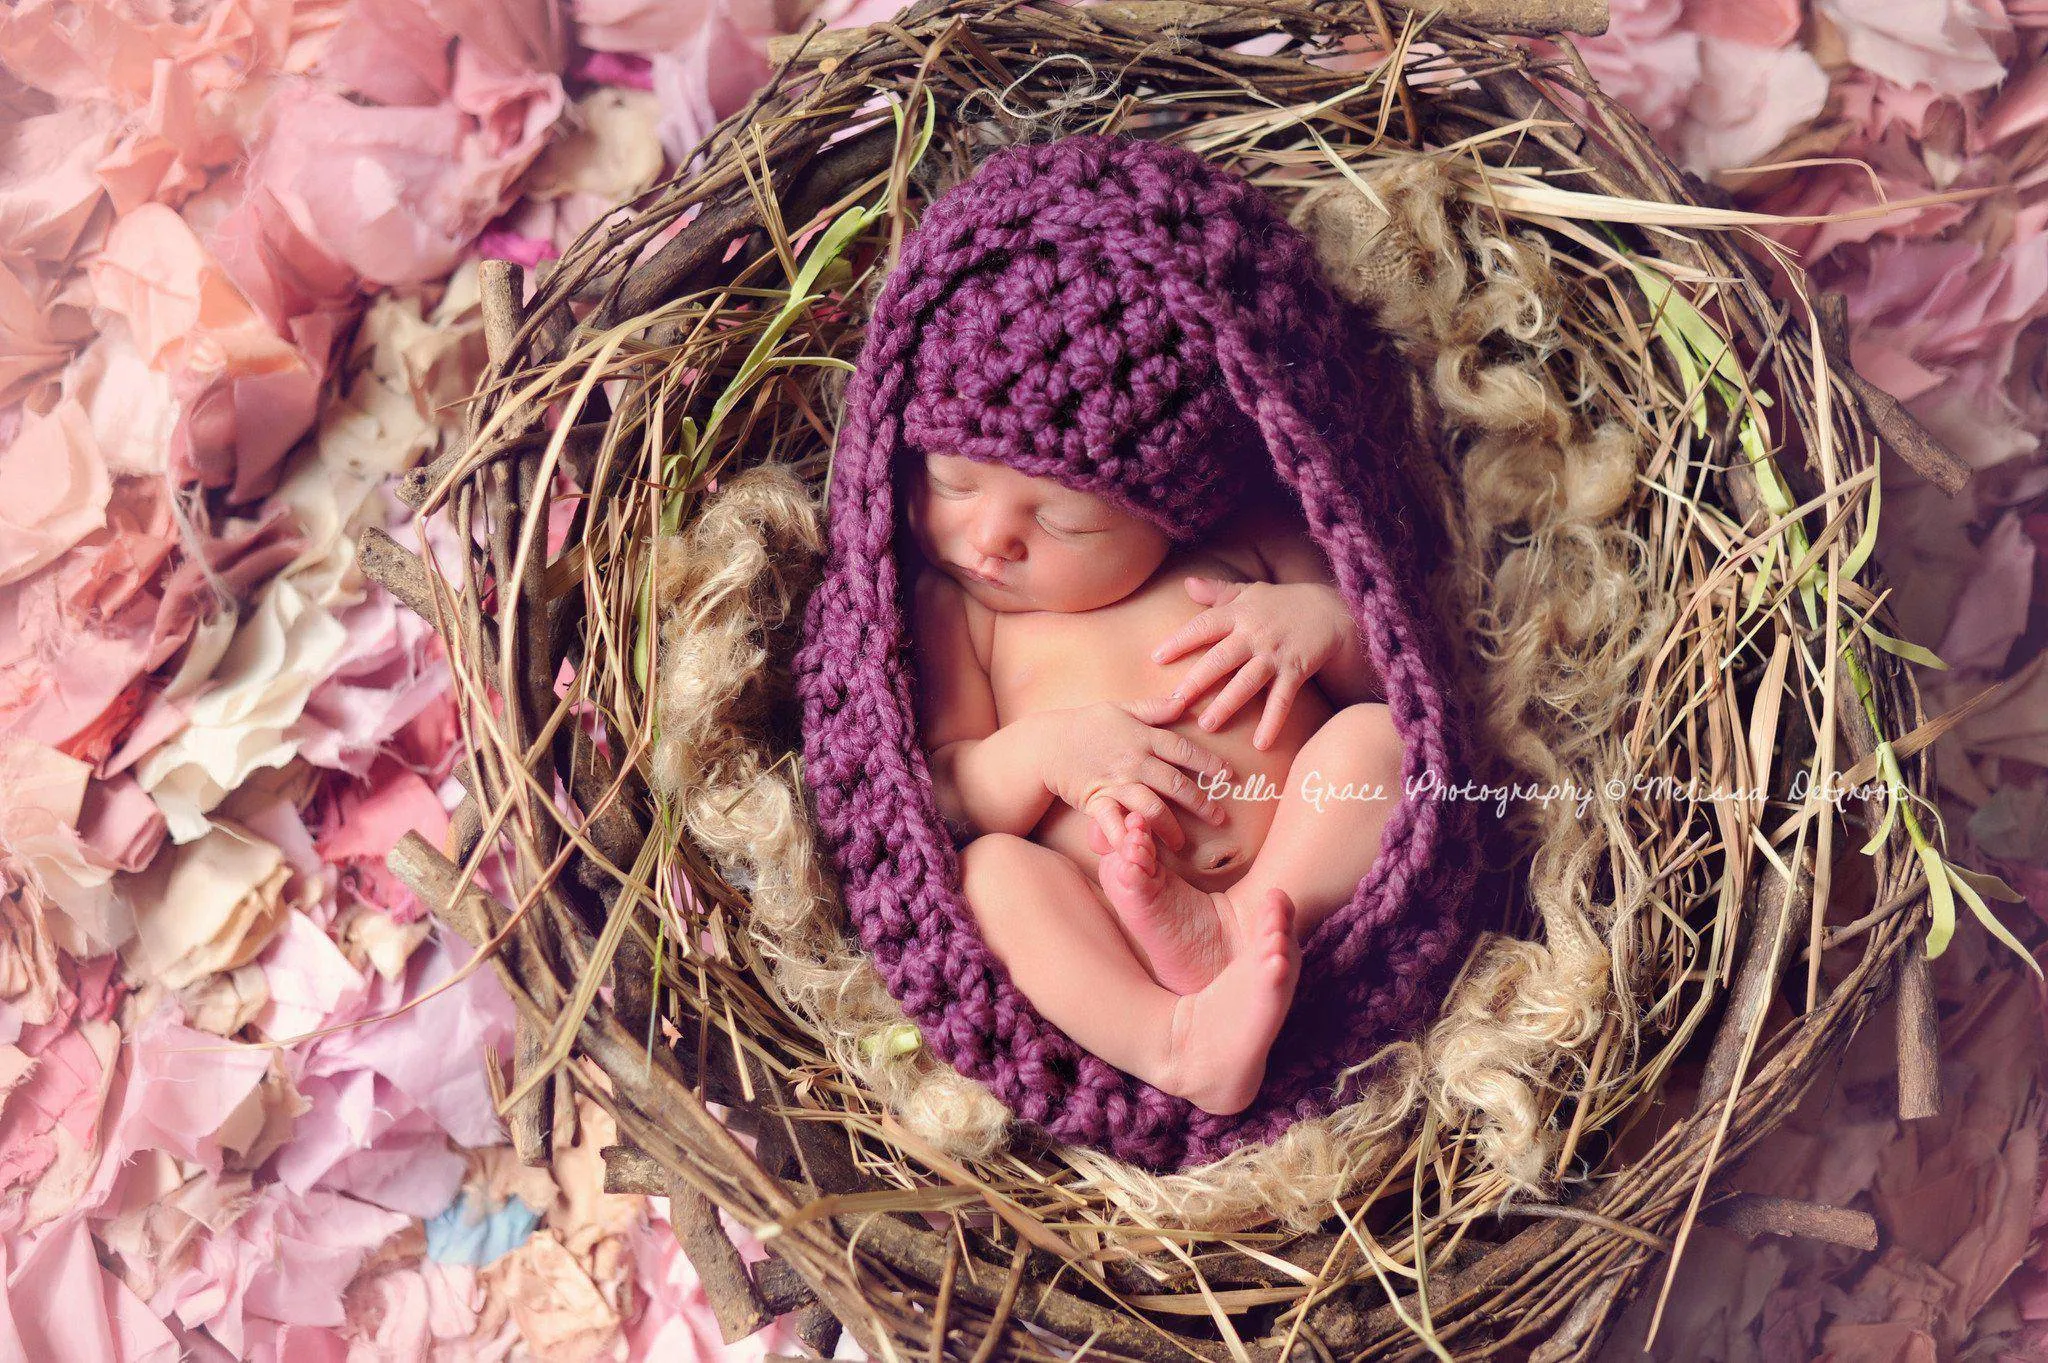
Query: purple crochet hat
[[1124, 317]]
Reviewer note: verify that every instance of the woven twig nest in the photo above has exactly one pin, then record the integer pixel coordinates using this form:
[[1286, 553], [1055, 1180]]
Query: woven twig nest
[[1659, 482]]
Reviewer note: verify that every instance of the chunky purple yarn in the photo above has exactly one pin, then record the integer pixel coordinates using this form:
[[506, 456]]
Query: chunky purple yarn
[[1134, 322]]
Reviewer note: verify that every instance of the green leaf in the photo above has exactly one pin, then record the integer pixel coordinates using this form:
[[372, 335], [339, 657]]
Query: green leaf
[[1689, 335], [643, 650], [1771, 487], [829, 246], [1809, 602], [1941, 899], [1867, 541], [1763, 581], [1989, 919], [1912, 653], [1985, 883]]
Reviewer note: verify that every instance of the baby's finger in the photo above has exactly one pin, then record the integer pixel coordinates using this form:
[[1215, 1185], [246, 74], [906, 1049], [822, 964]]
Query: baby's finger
[[1242, 688], [1210, 624], [1278, 702], [1212, 591], [1146, 802], [1174, 783], [1184, 751], [1107, 818], [1141, 801], [1098, 841], [1219, 662]]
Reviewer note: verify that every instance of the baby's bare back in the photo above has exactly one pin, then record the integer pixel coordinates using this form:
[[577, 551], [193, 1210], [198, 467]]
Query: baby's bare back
[[1048, 660]]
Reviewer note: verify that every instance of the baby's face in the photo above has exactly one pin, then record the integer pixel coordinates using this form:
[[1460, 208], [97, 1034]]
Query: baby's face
[[1018, 543]]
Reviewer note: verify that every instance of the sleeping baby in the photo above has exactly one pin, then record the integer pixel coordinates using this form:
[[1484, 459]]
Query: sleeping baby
[[1111, 436], [1167, 758]]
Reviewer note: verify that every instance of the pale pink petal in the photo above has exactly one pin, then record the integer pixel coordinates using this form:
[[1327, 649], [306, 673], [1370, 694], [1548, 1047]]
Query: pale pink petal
[[48, 191], [391, 51], [1945, 44], [309, 979], [395, 193], [1756, 23], [1646, 60], [1749, 99], [57, 490], [371, 824], [61, 1304], [2021, 105], [704, 79], [389, 671]]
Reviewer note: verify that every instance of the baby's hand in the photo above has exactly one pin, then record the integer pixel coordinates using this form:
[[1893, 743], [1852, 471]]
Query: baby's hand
[[1281, 633], [1109, 759]]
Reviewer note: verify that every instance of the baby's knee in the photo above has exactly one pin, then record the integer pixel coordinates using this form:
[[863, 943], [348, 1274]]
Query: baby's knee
[[993, 859], [1366, 730]]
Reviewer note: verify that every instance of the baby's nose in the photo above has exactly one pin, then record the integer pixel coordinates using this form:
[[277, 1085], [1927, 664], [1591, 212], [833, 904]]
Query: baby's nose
[[994, 538]]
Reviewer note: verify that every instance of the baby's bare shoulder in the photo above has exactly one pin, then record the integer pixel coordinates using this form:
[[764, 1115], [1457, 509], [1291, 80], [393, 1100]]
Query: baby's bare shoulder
[[941, 607], [954, 699]]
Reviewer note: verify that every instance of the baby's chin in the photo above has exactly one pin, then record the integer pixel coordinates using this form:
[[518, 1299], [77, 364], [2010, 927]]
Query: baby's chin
[[1004, 598], [1010, 598]]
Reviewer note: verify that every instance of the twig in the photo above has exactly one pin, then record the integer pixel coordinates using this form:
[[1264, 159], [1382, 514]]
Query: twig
[[734, 1301], [1752, 1214], [1919, 1038]]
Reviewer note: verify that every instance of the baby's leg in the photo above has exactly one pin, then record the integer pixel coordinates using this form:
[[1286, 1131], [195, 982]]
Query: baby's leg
[[1318, 855], [1315, 856], [1065, 951]]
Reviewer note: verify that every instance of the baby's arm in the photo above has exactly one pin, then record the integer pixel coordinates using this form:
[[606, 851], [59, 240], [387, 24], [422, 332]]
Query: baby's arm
[[981, 775], [1275, 532]]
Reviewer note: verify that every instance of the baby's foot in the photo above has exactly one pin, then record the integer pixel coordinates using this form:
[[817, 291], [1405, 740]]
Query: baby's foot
[[1175, 926], [1216, 1054]]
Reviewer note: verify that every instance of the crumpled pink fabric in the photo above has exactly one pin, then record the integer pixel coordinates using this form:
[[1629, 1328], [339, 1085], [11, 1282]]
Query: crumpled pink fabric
[[705, 56], [1943, 320], [391, 668], [48, 189], [1646, 59], [1721, 83], [59, 1303], [75, 639], [246, 394], [59, 490], [182, 1087], [271, 1284], [398, 188], [1946, 44], [1991, 613], [1756, 23], [42, 321], [366, 1081]]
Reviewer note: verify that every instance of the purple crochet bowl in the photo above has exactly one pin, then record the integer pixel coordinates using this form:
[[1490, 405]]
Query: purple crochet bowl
[[1125, 317]]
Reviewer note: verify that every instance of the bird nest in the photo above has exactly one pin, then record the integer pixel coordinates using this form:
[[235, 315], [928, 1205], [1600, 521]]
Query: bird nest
[[1712, 858]]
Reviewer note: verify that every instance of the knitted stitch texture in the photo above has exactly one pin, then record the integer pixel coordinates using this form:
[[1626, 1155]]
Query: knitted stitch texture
[[1124, 317]]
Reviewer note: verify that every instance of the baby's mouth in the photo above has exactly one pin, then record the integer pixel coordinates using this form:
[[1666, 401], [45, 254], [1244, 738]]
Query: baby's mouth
[[981, 576]]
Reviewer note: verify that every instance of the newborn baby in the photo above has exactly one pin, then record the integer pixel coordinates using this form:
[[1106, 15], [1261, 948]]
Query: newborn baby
[[1144, 864]]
